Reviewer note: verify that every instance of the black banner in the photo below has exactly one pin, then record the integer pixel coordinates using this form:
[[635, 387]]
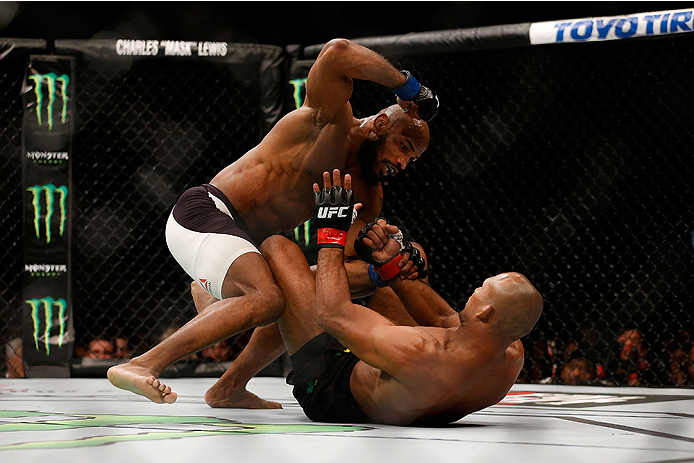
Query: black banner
[[47, 129]]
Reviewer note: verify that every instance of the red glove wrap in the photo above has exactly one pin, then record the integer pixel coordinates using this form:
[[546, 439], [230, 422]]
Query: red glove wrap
[[332, 236], [390, 269]]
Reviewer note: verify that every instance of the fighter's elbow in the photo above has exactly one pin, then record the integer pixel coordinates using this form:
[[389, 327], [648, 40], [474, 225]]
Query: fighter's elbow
[[325, 322], [338, 45], [336, 52], [328, 316]]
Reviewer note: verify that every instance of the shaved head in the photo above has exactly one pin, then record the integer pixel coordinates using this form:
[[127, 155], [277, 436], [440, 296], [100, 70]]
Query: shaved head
[[516, 304], [519, 302], [409, 126]]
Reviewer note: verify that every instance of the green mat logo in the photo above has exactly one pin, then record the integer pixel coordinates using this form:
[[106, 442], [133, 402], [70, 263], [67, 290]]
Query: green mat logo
[[55, 86], [48, 304], [146, 428], [49, 193]]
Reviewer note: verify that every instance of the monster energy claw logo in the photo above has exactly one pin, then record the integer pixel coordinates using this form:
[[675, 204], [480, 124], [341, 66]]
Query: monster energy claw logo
[[48, 304], [52, 80], [49, 194], [298, 85]]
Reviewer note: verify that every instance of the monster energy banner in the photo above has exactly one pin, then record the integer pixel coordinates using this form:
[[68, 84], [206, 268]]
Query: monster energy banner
[[47, 129]]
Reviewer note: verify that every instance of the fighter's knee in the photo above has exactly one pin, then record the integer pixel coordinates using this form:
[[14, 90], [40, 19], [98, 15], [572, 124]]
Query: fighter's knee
[[279, 250], [273, 303], [274, 244], [276, 299]]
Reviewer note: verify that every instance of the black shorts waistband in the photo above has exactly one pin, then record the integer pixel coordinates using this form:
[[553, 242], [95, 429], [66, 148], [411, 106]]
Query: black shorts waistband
[[196, 211], [222, 197]]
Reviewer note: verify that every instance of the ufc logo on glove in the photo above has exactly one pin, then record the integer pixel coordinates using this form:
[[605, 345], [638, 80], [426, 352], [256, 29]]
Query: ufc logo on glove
[[334, 211]]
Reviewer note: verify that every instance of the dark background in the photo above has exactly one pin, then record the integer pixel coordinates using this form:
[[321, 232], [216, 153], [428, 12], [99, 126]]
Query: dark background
[[569, 163], [282, 23]]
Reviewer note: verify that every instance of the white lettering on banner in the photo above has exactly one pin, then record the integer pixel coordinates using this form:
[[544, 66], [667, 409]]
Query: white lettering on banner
[[171, 48], [178, 48], [212, 48], [137, 47], [45, 268], [612, 28], [47, 155]]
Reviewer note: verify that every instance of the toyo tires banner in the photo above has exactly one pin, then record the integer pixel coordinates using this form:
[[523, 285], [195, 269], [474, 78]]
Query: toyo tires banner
[[613, 28], [47, 129]]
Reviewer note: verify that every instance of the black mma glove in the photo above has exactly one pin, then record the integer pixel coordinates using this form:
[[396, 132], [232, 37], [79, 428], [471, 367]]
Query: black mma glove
[[425, 99], [334, 213], [381, 272], [365, 252], [416, 259]]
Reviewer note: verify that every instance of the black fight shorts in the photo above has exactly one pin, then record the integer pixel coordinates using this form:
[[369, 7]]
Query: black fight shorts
[[320, 376]]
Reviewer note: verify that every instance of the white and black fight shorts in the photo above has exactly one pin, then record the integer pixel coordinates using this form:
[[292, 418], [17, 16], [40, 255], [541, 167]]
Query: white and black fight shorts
[[206, 235]]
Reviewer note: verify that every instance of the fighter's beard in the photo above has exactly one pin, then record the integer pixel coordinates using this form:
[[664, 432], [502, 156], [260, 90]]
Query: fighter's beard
[[367, 161]]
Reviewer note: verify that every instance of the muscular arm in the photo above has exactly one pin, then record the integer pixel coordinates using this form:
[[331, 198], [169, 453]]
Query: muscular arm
[[329, 85], [360, 284], [424, 304], [370, 336]]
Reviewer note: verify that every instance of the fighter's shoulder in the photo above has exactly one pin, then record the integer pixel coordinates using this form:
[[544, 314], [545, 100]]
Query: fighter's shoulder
[[515, 353], [312, 118], [303, 115]]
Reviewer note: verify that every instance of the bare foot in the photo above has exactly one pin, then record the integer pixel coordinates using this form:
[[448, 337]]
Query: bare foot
[[140, 381], [201, 298], [237, 398]]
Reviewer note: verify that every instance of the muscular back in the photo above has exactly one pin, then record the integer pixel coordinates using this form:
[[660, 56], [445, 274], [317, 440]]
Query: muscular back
[[440, 383]]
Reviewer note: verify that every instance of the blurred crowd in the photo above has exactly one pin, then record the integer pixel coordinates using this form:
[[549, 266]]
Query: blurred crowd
[[119, 350], [630, 361]]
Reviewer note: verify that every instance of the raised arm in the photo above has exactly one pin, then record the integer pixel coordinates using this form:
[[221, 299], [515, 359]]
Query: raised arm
[[370, 336], [329, 85]]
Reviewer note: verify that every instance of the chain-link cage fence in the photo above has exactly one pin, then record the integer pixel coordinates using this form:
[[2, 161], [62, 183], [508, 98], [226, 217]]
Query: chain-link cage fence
[[11, 76], [573, 165], [570, 164], [147, 130]]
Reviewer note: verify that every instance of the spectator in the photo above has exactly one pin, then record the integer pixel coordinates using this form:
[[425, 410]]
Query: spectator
[[578, 371], [538, 363], [219, 352], [680, 366], [123, 350], [79, 351], [100, 349], [13, 353], [629, 362]]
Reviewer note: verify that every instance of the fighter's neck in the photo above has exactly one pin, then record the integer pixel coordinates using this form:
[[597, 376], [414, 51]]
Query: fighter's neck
[[356, 136], [480, 336]]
